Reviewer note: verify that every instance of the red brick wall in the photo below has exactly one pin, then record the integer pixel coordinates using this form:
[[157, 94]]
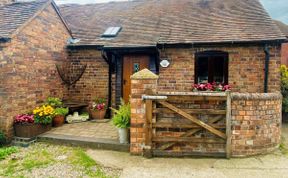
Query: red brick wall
[[246, 68], [27, 66], [284, 54], [94, 82], [256, 123]]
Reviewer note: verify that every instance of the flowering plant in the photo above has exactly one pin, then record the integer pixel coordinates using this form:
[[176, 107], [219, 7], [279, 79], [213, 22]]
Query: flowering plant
[[44, 114], [99, 104], [211, 87], [24, 118]]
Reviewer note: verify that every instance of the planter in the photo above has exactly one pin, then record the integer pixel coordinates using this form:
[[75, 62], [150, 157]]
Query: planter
[[96, 114], [29, 130], [123, 135], [58, 121]]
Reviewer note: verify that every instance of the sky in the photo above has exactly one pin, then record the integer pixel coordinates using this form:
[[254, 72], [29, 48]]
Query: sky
[[278, 9]]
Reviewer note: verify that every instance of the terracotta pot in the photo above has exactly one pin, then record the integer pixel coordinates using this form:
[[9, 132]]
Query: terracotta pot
[[29, 130], [58, 121], [96, 114]]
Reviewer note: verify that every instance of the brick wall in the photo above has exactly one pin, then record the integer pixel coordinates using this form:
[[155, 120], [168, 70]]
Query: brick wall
[[256, 123], [246, 68], [94, 82], [27, 66], [284, 54]]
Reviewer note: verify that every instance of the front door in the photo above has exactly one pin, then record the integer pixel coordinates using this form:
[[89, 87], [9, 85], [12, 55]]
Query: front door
[[131, 65]]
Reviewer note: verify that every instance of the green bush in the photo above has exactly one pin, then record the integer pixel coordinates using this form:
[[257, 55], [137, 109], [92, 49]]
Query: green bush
[[54, 102], [121, 118], [2, 138], [284, 87], [61, 111]]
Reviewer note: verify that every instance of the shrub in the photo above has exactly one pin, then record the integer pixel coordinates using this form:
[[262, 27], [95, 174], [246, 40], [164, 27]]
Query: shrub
[[121, 119], [284, 87], [61, 111], [54, 102], [2, 138]]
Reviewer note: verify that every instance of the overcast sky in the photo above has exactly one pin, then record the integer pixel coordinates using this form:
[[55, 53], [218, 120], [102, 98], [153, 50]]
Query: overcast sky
[[278, 9]]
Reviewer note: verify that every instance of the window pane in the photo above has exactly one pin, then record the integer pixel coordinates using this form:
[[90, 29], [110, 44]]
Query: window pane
[[202, 70], [218, 66]]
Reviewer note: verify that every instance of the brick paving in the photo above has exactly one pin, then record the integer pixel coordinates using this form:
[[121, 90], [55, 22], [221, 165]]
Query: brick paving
[[88, 129]]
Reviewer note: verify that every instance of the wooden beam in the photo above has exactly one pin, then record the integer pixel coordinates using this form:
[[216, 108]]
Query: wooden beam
[[189, 133], [193, 119], [177, 99], [185, 126], [148, 129], [193, 111], [189, 139], [228, 125]]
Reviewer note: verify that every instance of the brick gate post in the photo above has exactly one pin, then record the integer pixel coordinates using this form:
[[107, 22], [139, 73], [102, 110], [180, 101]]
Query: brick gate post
[[140, 82]]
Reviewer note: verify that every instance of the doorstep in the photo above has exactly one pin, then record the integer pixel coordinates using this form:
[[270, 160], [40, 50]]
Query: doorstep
[[96, 143]]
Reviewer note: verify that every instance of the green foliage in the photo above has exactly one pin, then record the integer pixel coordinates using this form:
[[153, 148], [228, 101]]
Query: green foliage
[[54, 102], [284, 87], [4, 152], [121, 119], [2, 139], [61, 111], [43, 120]]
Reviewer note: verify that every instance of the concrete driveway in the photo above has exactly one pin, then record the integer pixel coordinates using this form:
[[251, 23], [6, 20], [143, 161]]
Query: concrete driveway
[[273, 165]]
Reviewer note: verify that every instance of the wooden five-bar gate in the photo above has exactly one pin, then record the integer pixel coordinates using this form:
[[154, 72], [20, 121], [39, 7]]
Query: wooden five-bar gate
[[188, 124]]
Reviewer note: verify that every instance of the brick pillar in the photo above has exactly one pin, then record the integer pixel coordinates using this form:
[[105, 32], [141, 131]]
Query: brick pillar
[[141, 82]]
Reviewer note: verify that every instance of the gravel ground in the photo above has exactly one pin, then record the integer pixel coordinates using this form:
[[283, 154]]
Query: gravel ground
[[47, 160]]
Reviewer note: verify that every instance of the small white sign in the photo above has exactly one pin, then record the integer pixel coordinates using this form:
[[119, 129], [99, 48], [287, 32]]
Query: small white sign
[[164, 63]]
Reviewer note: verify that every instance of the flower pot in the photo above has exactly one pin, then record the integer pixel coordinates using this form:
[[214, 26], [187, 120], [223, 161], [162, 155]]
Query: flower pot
[[96, 114], [123, 135], [29, 130], [58, 121]]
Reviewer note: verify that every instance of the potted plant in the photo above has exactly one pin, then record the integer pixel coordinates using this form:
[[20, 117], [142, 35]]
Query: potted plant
[[59, 118], [43, 115], [54, 102], [24, 126], [215, 87], [98, 109], [121, 120]]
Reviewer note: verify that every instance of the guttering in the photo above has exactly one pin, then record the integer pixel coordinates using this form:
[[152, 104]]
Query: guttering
[[223, 43], [267, 60]]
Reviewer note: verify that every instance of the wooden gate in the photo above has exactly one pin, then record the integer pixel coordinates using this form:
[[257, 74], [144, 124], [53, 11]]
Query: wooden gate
[[188, 124]]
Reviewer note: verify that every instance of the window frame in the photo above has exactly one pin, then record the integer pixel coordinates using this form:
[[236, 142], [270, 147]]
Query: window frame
[[210, 55]]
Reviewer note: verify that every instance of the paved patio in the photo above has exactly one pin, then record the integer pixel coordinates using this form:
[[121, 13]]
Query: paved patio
[[101, 135]]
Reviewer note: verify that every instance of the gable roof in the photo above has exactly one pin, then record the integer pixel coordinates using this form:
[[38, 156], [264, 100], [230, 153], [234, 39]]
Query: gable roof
[[152, 22], [283, 27], [16, 15]]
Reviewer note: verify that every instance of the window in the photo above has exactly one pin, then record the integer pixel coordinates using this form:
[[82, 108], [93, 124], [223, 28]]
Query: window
[[211, 66], [111, 32]]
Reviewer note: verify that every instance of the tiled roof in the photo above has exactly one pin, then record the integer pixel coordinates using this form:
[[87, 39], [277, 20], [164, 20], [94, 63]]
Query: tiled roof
[[13, 16], [150, 22], [282, 26]]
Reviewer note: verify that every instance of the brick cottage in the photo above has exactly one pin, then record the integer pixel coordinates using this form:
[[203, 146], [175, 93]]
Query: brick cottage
[[181, 43]]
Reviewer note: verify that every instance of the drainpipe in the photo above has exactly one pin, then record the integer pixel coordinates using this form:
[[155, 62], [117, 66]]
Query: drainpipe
[[267, 59]]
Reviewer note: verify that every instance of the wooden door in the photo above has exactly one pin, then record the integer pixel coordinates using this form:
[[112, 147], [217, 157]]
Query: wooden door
[[131, 65]]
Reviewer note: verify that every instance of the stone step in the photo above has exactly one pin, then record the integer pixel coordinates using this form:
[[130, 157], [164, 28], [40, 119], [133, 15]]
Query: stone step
[[95, 143]]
